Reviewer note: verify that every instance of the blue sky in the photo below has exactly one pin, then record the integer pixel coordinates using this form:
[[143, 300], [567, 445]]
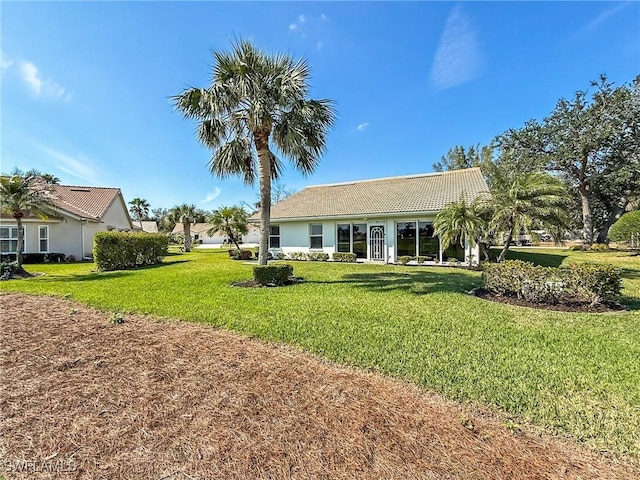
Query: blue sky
[[86, 85]]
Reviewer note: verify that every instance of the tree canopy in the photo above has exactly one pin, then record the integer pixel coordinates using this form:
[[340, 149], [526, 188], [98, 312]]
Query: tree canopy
[[257, 107]]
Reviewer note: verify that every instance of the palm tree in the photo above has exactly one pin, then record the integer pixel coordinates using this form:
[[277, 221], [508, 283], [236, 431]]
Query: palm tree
[[229, 221], [186, 215], [139, 209], [460, 220], [21, 195], [521, 200], [257, 102]]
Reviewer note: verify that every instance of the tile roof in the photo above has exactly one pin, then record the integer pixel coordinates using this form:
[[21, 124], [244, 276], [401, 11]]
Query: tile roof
[[86, 202], [395, 195]]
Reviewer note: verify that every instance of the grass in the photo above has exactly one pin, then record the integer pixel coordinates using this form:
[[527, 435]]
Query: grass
[[574, 374]]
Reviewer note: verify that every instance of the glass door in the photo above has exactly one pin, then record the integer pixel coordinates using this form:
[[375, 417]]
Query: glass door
[[376, 243]]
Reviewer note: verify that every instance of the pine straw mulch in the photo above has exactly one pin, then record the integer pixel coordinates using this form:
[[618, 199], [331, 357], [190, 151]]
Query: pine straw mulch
[[82, 398]]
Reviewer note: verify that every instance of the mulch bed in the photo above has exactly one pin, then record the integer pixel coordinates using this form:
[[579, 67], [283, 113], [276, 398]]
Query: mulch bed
[[85, 398], [560, 307]]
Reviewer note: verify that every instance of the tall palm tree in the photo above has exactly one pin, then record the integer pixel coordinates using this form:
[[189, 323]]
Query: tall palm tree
[[21, 195], [458, 221], [139, 209], [257, 103], [521, 200], [186, 215], [229, 221]]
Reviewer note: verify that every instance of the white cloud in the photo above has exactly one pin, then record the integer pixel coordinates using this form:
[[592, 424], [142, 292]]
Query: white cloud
[[604, 15], [211, 196], [319, 45], [458, 58], [293, 26], [323, 17], [363, 126], [307, 21], [5, 60], [39, 86], [79, 166]]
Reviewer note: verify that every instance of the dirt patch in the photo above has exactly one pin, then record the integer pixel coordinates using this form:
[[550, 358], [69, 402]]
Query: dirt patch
[[560, 307], [85, 398]]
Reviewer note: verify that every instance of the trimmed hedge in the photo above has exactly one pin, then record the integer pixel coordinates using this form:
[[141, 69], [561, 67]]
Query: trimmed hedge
[[273, 274], [628, 224], [344, 257], [590, 282], [125, 250]]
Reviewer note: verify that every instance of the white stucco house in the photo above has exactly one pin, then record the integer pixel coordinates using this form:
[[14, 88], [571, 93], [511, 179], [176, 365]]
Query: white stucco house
[[81, 212], [199, 233], [379, 220]]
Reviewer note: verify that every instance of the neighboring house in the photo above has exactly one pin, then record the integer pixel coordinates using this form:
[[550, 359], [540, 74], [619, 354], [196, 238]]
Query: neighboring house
[[199, 233], [148, 226], [81, 212], [378, 220]]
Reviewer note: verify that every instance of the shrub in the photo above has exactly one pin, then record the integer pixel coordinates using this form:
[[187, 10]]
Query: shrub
[[240, 254], [273, 274], [626, 226], [593, 283], [404, 259], [298, 256], [124, 250], [344, 257], [7, 269], [317, 256], [599, 247]]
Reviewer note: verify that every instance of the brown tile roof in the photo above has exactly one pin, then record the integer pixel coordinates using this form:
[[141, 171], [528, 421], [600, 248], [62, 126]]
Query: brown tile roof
[[86, 202], [395, 195]]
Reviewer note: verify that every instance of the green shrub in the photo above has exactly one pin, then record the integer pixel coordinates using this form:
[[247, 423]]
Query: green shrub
[[298, 256], [317, 256], [240, 254], [273, 274], [344, 257], [404, 259], [575, 248], [7, 269], [599, 247], [590, 282], [124, 250], [626, 226]]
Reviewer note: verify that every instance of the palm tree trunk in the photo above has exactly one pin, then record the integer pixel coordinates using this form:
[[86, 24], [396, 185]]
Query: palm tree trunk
[[186, 229], [507, 242], [264, 172], [20, 246]]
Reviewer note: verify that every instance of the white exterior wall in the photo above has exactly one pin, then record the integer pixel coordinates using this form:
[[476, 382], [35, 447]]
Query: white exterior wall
[[294, 236]]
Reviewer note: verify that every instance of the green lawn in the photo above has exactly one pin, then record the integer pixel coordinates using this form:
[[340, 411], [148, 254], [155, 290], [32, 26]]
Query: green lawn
[[575, 374]]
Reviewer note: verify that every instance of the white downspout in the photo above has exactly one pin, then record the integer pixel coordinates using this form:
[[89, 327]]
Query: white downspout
[[82, 222]]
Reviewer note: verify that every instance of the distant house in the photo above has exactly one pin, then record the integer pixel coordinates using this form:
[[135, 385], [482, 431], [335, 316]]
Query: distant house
[[199, 233], [149, 226], [81, 212], [379, 220]]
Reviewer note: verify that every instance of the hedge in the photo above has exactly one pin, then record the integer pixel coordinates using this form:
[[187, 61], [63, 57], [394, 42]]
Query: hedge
[[343, 257], [628, 224], [124, 250], [589, 282], [273, 274]]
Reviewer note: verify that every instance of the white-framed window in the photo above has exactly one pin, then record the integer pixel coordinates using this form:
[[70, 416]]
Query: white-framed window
[[9, 239], [315, 236], [43, 238], [274, 236]]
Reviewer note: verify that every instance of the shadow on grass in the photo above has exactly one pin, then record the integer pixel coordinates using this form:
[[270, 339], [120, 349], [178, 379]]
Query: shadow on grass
[[419, 282], [541, 258]]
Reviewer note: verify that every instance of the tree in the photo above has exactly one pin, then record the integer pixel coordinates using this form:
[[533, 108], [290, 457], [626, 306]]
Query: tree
[[186, 215], [228, 221], [459, 220], [458, 158], [519, 201], [139, 209], [22, 195], [257, 101], [594, 144]]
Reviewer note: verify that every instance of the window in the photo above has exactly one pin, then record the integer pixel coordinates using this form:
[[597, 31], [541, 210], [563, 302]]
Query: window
[[344, 238], [274, 236], [43, 237], [406, 238], [9, 239], [428, 243], [315, 236]]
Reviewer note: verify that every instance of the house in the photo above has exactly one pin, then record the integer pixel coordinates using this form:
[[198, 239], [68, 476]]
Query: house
[[379, 220], [148, 226], [81, 212], [199, 234]]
